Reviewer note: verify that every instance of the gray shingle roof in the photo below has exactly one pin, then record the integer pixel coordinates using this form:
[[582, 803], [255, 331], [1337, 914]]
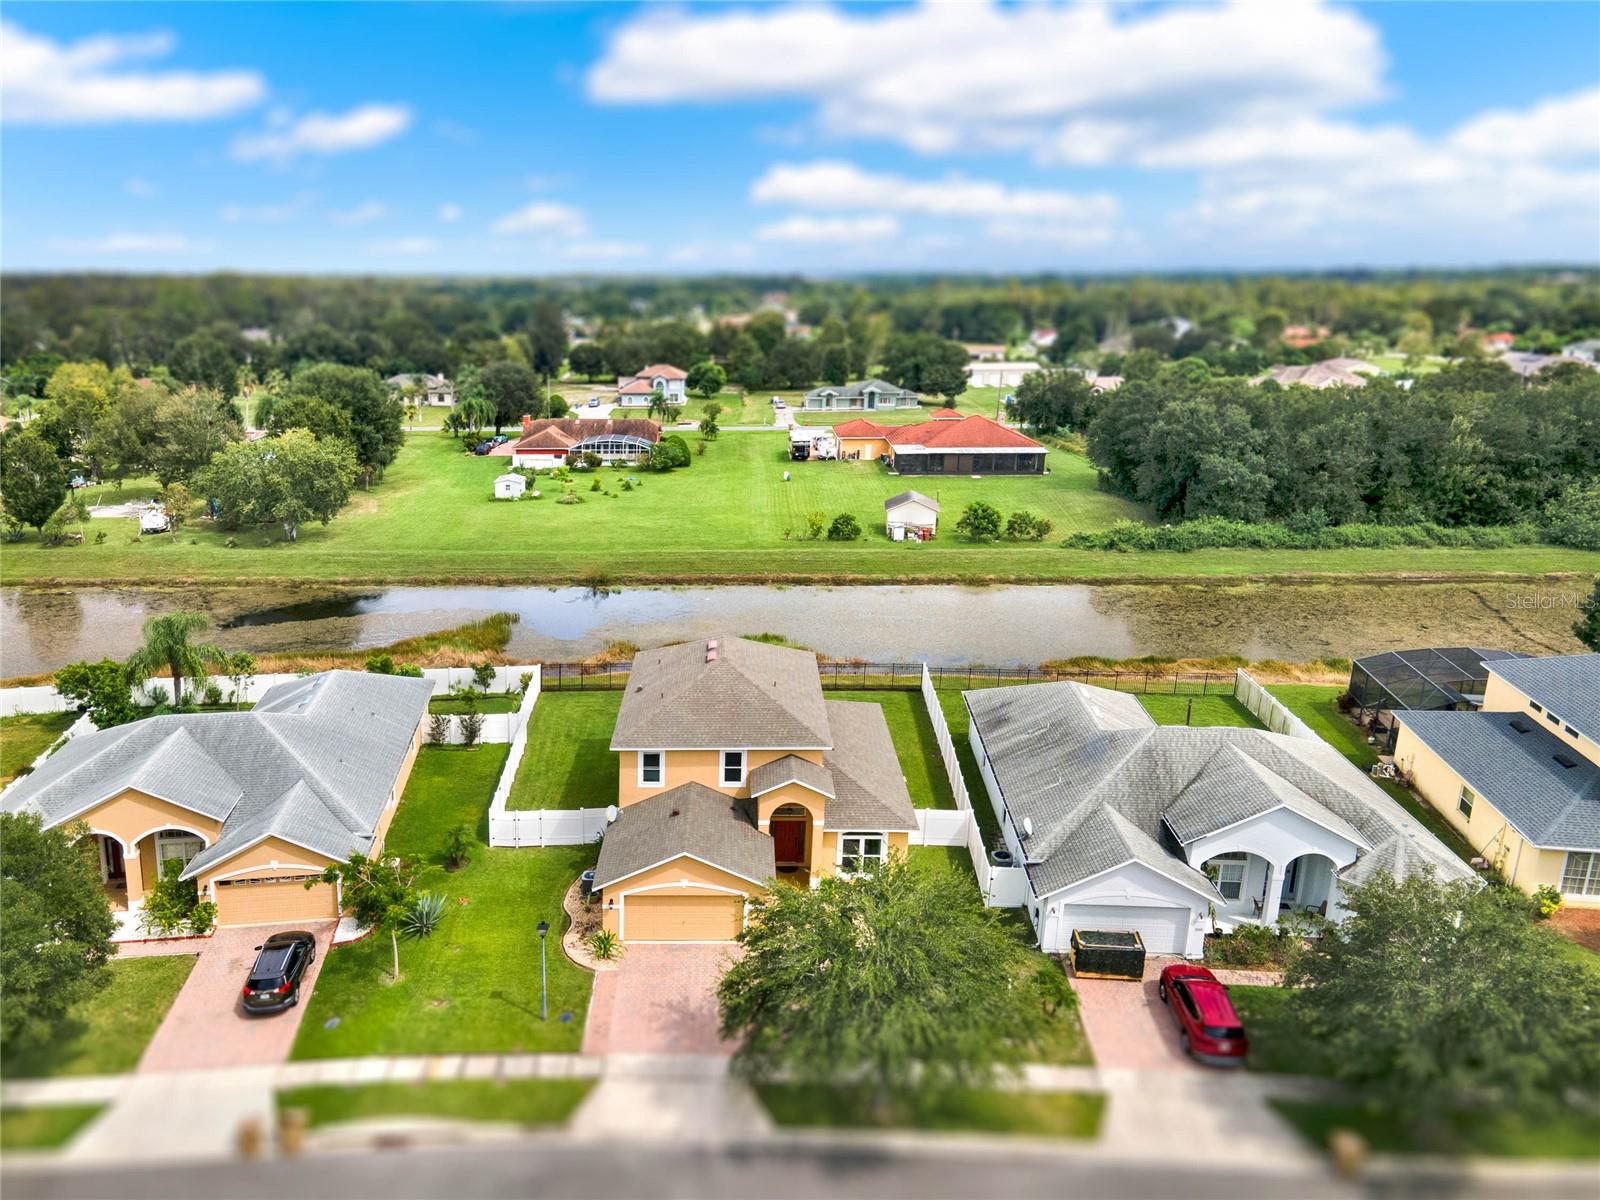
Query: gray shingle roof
[[1549, 804], [1568, 685], [742, 694], [854, 390], [1098, 778], [903, 497], [314, 762], [791, 768], [689, 819], [869, 789]]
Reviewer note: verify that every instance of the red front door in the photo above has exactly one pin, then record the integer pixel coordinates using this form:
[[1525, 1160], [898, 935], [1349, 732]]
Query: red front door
[[789, 838]]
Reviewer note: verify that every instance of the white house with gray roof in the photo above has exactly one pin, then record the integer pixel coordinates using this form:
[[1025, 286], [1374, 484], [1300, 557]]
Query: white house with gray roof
[[252, 804], [1120, 823]]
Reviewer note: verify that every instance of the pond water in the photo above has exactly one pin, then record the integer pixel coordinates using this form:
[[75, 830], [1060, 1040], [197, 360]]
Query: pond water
[[940, 624]]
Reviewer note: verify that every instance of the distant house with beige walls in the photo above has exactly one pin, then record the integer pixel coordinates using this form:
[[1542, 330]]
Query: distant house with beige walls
[[733, 772], [253, 804], [1520, 778]]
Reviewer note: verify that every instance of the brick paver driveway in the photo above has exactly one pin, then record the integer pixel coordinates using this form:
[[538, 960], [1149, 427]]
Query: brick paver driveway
[[661, 999], [1127, 1025], [205, 1026]]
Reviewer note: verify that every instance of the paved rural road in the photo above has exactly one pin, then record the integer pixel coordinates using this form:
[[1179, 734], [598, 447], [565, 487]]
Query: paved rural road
[[882, 1171]]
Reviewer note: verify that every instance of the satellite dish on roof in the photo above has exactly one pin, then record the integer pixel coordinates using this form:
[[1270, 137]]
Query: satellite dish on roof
[[1027, 826], [611, 813]]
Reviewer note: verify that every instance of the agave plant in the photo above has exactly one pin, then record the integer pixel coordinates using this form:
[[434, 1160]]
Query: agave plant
[[422, 915], [603, 944]]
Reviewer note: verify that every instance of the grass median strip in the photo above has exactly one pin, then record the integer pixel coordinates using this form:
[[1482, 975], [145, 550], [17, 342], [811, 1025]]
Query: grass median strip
[[972, 1110], [526, 1102], [44, 1128], [1561, 1135]]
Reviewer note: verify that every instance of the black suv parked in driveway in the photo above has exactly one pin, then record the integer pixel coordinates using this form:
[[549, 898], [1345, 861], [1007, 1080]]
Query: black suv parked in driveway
[[274, 982]]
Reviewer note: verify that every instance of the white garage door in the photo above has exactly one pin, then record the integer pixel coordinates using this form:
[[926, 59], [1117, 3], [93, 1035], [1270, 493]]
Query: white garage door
[[1163, 930]]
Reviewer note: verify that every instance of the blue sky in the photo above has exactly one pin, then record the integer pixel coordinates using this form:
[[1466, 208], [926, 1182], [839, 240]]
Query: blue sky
[[513, 139]]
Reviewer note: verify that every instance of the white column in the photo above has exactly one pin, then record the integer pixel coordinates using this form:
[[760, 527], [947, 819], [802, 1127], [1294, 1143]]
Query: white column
[[1269, 906]]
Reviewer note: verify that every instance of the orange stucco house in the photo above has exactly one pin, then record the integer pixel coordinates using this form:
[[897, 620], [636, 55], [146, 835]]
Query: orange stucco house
[[734, 772], [254, 804]]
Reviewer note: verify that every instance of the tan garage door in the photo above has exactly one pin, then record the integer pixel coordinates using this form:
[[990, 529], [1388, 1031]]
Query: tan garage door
[[682, 918], [258, 901]]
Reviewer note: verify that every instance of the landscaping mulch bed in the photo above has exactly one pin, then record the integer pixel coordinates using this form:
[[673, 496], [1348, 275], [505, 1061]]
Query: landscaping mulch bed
[[1581, 925]]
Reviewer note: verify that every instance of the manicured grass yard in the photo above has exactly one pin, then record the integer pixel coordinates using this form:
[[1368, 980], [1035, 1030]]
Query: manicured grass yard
[[1492, 1135], [26, 736], [525, 1102], [473, 986], [981, 1110], [1197, 710], [496, 702], [569, 762], [44, 1128], [107, 1033], [1314, 704]]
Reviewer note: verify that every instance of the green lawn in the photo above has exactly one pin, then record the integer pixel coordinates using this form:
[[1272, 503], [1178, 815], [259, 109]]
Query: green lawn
[[44, 1128], [527, 1102], [107, 1033], [1314, 704], [1494, 1135], [1197, 710], [433, 518], [569, 762], [473, 987], [914, 742], [497, 702], [977, 1110], [26, 736], [959, 724]]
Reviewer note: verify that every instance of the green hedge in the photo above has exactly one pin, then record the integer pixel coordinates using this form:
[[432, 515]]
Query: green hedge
[[1208, 533]]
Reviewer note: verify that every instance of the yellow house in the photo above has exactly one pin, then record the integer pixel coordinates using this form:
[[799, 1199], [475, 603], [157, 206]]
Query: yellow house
[[1520, 778], [253, 804], [734, 772]]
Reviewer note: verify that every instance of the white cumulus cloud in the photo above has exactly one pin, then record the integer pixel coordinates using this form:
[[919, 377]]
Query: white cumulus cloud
[[826, 231], [94, 81], [605, 251], [320, 133], [131, 243], [449, 212], [402, 247], [544, 217], [835, 185]]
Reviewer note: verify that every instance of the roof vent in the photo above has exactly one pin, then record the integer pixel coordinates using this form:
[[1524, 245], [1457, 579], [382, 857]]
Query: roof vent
[[1520, 725], [673, 813], [1565, 761]]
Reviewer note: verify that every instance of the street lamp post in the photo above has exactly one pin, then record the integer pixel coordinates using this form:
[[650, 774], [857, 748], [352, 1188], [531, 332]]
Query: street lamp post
[[544, 1002]]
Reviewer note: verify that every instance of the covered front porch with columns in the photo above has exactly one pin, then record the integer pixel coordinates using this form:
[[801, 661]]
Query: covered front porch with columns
[[129, 869], [1256, 890]]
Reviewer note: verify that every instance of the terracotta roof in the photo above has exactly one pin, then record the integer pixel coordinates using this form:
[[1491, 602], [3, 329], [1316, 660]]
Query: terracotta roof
[[552, 433], [974, 432], [635, 387], [665, 370], [860, 427]]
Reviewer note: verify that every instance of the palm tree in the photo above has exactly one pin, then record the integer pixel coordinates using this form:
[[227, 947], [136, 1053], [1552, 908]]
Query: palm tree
[[167, 648], [660, 406]]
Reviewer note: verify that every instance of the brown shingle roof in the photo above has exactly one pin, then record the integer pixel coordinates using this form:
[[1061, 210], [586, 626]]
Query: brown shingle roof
[[724, 693], [869, 788], [791, 768], [689, 819]]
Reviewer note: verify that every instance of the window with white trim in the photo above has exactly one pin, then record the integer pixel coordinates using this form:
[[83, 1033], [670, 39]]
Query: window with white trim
[[178, 844], [652, 768], [861, 851], [1581, 876], [1465, 801], [732, 767], [1228, 871]]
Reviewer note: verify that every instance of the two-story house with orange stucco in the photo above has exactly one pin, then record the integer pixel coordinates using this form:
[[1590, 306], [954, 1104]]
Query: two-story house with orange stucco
[[733, 772]]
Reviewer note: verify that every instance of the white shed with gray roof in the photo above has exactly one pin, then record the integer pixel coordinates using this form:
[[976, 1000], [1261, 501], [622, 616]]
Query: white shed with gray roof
[[910, 513]]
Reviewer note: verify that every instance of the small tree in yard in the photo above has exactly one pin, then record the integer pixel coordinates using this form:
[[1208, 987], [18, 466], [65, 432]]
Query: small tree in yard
[[1024, 526], [439, 729], [706, 379], [101, 689], [1433, 997], [895, 979], [55, 939], [379, 892], [32, 478], [979, 522], [241, 665], [167, 648], [471, 723], [845, 528], [458, 846]]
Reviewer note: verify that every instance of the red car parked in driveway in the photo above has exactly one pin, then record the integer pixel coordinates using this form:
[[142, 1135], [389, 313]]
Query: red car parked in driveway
[[1209, 1030]]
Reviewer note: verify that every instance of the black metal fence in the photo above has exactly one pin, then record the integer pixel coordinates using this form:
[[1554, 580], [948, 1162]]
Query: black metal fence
[[840, 676]]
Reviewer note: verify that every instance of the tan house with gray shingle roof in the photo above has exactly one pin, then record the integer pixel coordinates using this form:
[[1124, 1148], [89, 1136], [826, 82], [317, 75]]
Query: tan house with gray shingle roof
[[734, 771]]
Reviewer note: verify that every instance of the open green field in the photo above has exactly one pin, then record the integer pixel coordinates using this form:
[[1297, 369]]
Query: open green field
[[525, 1102], [26, 736], [433, 518], [106, 1034], [569, 762], [473, 986]]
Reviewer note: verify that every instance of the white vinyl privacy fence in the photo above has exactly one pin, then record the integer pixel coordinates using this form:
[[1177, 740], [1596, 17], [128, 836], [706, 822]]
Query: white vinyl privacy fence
[[989, 881], [1268, 709]]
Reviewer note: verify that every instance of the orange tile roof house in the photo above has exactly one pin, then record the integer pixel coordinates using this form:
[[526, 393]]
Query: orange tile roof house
[[733, 774], [949, 444], [634, 391], [547, 442]]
